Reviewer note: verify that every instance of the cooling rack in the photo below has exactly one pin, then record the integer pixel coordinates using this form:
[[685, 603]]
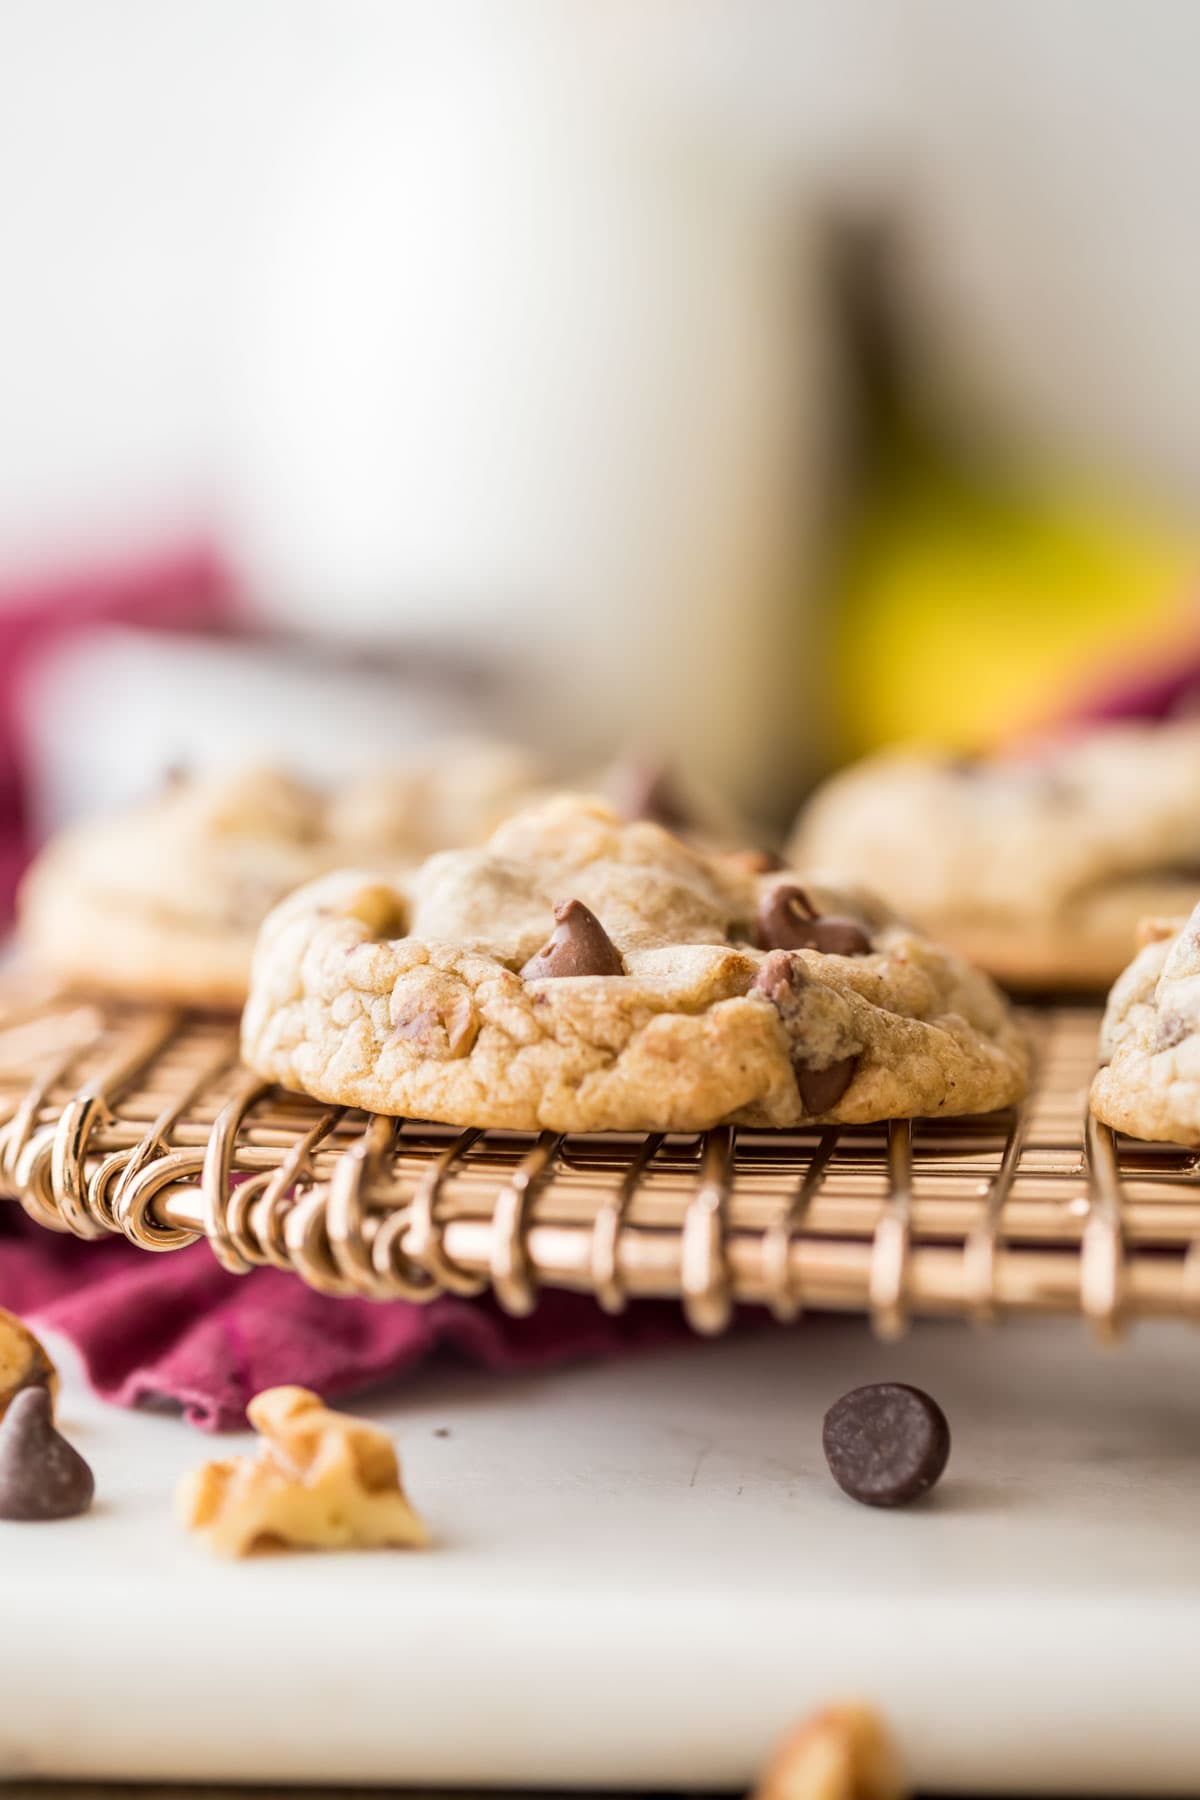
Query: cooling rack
[[121, 1119]]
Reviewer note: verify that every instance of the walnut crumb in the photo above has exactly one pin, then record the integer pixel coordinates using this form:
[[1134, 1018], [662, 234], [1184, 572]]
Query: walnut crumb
[[841, 1753], [321, 1481]]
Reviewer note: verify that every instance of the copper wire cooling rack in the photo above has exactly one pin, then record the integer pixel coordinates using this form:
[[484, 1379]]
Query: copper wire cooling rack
[[141, 1121]]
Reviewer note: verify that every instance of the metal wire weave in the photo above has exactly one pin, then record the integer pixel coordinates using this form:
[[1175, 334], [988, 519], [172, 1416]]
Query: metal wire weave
[[141, 1121]]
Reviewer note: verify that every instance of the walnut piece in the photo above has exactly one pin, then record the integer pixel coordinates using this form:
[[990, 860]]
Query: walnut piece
[[23, 1362], [321, 1481], [841, 1753]]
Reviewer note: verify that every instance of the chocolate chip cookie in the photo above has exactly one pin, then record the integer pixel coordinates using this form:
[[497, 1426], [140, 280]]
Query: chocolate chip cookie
[[164, 902], [582, 973], [1037, 867], [1149, 1084]]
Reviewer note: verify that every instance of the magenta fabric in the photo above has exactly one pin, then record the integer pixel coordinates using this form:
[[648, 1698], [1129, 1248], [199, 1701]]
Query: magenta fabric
[[1165, 685], [177, 1330]]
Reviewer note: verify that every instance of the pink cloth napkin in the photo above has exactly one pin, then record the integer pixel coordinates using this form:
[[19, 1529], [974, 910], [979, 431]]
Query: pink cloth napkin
[[177, 1330]]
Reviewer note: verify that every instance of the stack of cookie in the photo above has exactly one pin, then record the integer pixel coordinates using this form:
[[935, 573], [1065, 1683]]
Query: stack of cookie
[[453, 943]]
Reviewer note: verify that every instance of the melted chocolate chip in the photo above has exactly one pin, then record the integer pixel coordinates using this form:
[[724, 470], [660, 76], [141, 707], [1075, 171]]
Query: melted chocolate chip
[[578, 945], [886, 1444], [787, 920], [821, 1089], [783, 980], [41, 1475], [648, 791]]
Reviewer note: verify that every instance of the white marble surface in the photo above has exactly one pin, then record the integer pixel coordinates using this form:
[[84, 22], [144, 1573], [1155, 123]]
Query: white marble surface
[[644, 1573]]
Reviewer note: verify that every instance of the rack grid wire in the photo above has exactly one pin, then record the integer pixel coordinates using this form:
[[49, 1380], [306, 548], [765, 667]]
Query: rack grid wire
[[141, 1121]]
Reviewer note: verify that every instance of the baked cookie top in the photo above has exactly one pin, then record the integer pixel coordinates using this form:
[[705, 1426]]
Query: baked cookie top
[[582, 973], [1149, 1084], [1014, 836]]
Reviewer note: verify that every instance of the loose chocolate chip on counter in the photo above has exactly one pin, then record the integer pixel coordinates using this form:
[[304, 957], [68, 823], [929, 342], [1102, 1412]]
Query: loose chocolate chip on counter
[[41, 1475], [787, 920], [578, 945], [886, 1444]]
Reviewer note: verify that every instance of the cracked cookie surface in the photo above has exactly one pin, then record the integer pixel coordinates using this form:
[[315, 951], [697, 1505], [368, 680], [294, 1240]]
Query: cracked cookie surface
[[579, 973], [164, 901], [1149, 1081], [1037, 867]]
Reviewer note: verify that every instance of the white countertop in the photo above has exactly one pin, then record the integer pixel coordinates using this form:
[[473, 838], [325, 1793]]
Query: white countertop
[[645, 1574]]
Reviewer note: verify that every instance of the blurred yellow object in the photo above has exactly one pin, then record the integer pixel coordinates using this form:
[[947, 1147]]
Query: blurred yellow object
[[969, 613]]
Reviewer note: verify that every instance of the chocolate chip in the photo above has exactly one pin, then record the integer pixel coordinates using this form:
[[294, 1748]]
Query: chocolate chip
[[578, 945], [821, 1089], [782, 979], [41, 1475], [841, 937], [435, 1031], [647, 790], [787, 920], [886, 1444]]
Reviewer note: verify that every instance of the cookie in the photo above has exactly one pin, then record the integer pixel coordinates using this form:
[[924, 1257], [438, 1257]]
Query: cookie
[[1037, 867], [1149, 1081], [164, 902], [580, 973]]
